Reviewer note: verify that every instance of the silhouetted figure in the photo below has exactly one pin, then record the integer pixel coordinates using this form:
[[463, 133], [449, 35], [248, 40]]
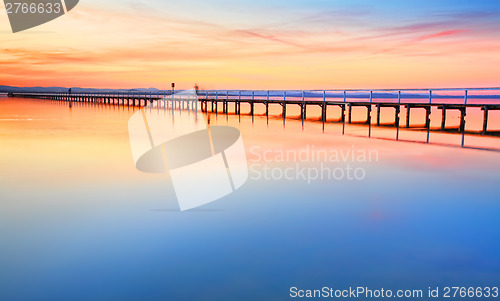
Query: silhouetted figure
[[69, 92]]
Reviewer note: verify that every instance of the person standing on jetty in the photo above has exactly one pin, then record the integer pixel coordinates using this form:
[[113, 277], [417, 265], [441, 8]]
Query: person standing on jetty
[[69, 93]]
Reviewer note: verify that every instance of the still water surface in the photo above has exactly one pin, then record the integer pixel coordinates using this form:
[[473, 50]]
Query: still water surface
[[79, 222]]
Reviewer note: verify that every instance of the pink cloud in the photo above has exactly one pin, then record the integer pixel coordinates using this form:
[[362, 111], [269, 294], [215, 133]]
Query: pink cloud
[[440, 34]]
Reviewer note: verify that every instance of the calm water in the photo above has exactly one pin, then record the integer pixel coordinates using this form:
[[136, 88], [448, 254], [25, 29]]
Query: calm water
[[79, 222]]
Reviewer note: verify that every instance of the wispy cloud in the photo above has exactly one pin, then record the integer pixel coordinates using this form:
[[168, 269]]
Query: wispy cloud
[[440, 35]]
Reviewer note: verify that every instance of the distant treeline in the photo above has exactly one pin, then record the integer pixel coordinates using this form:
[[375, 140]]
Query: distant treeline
[[9, 89]]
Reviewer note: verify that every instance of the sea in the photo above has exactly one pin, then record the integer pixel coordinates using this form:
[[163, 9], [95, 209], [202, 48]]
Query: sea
[[321, 208]]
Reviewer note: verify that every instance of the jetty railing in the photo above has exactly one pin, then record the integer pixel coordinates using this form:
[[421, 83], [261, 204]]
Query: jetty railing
[[444, 99]]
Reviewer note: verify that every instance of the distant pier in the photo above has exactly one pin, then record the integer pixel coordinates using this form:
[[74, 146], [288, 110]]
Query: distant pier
[[128, 99]]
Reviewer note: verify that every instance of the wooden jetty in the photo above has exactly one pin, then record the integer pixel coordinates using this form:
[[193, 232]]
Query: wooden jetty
[[461, 99], [423, 99]]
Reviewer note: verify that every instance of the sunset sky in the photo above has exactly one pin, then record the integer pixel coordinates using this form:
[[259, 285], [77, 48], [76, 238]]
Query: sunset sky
[[289, 44]]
